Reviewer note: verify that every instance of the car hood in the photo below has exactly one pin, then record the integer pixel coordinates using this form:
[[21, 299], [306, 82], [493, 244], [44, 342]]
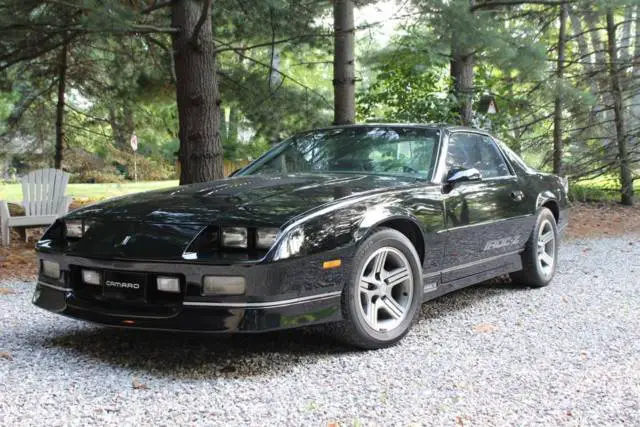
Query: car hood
[[258, 200]]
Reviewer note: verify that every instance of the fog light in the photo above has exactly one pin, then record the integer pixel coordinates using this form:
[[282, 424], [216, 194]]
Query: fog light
[[91, 277], [223, 285], [51, 269], [168, 284]]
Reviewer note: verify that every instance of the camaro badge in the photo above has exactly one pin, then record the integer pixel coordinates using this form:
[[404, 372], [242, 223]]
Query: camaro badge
[[502, 243], [126, 285]]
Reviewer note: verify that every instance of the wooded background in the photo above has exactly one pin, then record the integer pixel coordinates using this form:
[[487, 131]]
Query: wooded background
[[200, 81]]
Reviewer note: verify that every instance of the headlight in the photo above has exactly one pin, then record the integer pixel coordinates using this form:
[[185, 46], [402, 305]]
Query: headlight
[[234, 237], [291, 244], [76, 228], [266, 237]]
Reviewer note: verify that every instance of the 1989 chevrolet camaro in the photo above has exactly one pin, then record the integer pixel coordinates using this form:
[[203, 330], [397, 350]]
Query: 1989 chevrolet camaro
[[355, 226]]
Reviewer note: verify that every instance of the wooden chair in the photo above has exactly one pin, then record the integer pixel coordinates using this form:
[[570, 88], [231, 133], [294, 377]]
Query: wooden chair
[[43, 202]]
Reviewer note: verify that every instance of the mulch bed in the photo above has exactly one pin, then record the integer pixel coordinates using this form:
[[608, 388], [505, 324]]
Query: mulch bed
[[18, 262], [602, 219]]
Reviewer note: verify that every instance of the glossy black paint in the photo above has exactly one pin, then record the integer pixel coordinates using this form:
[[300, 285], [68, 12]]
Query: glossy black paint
[[450, 225]]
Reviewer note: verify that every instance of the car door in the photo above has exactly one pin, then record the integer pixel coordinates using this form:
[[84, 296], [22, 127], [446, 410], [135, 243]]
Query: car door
[[484, 218]]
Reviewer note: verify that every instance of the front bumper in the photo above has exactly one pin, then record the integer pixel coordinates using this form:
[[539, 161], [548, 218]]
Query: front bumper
[[279, 295]]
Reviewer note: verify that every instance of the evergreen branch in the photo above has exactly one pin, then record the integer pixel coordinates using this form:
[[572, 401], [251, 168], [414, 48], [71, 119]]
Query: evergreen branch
[[145, 28], [286, 76], [509, 3], [229, 47], [16, 115], [206, 6], [155, 6]]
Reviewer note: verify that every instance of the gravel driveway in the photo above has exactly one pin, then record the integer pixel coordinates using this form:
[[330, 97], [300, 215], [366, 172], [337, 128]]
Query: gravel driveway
[[568, 354]]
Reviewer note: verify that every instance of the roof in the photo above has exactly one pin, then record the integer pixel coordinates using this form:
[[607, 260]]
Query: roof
[[442, 126]]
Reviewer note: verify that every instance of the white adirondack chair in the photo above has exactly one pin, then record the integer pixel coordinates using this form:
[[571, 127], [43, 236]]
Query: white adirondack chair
[[43, 201]]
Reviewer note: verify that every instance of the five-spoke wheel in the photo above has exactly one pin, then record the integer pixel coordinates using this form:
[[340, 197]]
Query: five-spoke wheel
[[383, 297], [546, 248], [386, 289], [540, 253]]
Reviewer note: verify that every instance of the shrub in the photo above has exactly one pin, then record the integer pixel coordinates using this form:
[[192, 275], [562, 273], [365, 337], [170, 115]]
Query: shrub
[[105, 176]]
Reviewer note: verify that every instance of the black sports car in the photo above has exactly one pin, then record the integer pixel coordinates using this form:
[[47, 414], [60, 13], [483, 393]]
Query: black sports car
[[355, 226]]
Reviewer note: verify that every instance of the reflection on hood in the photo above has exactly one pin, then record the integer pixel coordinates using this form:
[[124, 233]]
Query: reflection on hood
[[257, 200]]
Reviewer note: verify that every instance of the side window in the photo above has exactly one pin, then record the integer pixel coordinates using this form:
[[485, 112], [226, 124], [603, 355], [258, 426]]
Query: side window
[[468, 150], [492, 161]]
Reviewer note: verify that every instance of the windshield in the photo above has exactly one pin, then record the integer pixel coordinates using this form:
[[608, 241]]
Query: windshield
[[404, 151]]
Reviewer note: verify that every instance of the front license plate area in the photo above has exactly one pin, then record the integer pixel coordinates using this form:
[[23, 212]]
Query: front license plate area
[[124, 286]]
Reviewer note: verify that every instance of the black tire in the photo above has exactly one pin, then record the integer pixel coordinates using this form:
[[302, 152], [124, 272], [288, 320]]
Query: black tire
[[354, 329], [534, 273]]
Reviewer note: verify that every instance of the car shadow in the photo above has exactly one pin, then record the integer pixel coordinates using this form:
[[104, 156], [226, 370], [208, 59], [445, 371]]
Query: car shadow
[[200, 355], [452, 303]]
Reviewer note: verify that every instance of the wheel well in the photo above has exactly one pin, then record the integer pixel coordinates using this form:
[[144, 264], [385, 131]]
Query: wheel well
[[411, 230], [553, 207]]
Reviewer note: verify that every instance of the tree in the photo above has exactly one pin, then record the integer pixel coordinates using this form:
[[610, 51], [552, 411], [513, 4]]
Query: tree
[[62, 79], [626, 180], [558, 105], [462, 72], [343, 63], [197, 92]]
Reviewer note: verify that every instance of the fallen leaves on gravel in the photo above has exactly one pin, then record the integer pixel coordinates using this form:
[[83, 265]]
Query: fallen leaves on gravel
[[137, 385], [484, 328], [602, 219], [6, 355]]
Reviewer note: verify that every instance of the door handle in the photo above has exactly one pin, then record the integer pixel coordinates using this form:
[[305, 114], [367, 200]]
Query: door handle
[[517, 195]]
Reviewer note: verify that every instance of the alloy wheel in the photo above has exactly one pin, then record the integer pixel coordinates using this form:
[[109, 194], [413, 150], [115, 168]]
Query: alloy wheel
[[386, 289], [546, 249]]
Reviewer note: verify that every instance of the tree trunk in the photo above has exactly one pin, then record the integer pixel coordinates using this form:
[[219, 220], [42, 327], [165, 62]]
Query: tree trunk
[[587, 65], [600, 53], [62, 82], [558, 147], [462, 63], [625, 42], [626, 180], [583, 46], [201, 157], [122, 125], [233, 125], [344, 82], [635, 77]]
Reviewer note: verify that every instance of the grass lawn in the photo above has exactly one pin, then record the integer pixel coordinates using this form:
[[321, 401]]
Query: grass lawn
[[13, 192]]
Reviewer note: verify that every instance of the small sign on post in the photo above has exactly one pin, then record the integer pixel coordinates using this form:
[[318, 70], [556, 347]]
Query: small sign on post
[[134, 147]]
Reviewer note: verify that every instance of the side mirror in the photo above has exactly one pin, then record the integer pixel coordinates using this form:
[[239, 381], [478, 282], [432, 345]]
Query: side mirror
[[460, 175]]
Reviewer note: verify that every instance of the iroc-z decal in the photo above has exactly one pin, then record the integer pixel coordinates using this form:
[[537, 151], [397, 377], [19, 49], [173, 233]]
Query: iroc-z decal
[[502, 243]]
